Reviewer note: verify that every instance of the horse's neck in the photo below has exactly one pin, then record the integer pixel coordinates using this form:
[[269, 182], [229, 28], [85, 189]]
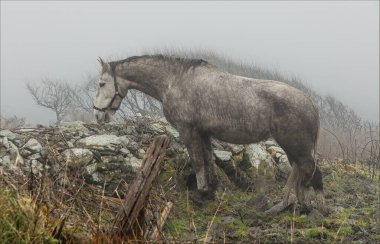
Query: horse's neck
[[149, 79]]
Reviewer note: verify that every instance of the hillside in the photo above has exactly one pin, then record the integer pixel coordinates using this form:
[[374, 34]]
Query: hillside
[[74, 175]]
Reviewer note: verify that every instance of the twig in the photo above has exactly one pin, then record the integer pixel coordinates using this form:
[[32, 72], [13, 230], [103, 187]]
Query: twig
[[213, 217], [101, 206]]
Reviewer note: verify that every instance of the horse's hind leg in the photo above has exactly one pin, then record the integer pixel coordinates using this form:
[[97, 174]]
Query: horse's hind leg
[[310, 175], [317, 184], [290, 184]]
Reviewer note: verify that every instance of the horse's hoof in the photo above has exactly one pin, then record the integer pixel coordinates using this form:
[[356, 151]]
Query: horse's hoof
[[305, 209], [207, 195], [323, 210], [199, 196]]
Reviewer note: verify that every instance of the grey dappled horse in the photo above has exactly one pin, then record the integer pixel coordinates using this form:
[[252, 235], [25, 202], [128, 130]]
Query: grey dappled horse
[[202, 101]]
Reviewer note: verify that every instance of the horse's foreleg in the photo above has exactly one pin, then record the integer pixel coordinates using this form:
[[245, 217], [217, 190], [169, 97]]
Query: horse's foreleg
[[195, 145]]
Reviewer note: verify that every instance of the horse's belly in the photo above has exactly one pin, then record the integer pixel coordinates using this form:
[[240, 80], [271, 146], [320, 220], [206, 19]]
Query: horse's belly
[[236, 136]]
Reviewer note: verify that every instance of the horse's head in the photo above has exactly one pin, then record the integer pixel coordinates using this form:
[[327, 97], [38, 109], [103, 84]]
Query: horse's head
[[109, 94]]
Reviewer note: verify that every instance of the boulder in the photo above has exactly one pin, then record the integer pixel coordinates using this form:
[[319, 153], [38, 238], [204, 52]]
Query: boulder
[[74, 126], [135, 163], [33, 145], [223, 155], [275, 149], [77, 156], [269, 143], [256, 154], [236, 149], [172, 132], [101, 142], [9, 134]]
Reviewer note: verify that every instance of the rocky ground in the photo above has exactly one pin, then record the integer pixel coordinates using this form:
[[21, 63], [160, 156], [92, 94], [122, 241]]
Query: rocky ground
[[78, 172]]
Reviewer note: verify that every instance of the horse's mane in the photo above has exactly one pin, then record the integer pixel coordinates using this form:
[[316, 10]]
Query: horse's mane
[[186, 63]]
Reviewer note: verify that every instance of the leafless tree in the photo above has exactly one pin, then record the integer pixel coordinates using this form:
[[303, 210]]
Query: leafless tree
[[53, 94], [84, 94]]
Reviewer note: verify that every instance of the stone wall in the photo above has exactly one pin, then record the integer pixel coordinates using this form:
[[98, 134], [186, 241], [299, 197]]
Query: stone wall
[[111, 154]]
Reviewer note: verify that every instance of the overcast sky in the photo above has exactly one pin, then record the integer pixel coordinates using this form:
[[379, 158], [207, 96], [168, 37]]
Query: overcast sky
[[332, 46]]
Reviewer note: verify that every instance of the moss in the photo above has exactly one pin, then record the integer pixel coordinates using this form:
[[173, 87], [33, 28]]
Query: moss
[[176, 227], [241, 229], [22, 221], [314, 232], [344, 230], [166, 173]]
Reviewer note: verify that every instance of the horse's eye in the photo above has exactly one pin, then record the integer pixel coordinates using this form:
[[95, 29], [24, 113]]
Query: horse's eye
[[101, 84]]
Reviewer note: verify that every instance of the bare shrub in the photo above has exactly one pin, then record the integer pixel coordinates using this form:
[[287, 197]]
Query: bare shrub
[[137, 103], [12, 123]]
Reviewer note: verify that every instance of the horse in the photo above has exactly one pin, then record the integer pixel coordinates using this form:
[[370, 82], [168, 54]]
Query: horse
[[201, 101]]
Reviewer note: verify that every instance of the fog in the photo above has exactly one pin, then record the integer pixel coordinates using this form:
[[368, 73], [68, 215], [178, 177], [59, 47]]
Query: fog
[[332, 46]]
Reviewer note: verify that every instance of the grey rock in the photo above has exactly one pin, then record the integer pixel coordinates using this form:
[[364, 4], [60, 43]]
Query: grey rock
[[227, 219], [74, 126], [130, 130], [257, 154], [124, 151], [236, 149], [77, 156], [223, 155], [172, 132], [100, 142], [90, 169], [33, 145], [108, 159], [112, 159], [217, 145], [124, 140], [133, 146], [275, 149], [4, 142], [135, 163], [284, 160], [270, 143], [259, 202], [25, 153], [284, 167], [6, 161], [158, 127], [141, 153], [255, 232], [315, 216], [35, 156], [7, 133], [70, 144], [37, 167]]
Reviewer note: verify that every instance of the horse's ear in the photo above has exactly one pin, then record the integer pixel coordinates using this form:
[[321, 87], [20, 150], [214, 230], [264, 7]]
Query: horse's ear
[[101, 61], [104, 64]]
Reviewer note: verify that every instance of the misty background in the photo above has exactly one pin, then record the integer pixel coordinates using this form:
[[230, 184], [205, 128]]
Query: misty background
[[332, 46]]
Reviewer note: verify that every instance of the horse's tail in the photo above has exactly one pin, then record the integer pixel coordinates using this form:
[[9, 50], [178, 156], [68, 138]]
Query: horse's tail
[[316, 134]]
